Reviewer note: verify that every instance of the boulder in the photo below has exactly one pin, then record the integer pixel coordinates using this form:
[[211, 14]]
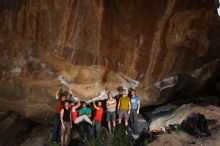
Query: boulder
[[16, 129], [181, 138], [87, 75], [180, 114]]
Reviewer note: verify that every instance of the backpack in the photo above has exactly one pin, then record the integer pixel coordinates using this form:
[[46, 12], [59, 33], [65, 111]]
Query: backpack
[[196, 125]]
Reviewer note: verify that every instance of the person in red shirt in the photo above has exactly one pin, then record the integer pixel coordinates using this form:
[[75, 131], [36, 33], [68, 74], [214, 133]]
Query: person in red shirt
[[98, 117], [60, 97], [74, 113]]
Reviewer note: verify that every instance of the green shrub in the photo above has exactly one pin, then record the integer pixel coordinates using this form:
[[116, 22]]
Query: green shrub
[[120, 138]]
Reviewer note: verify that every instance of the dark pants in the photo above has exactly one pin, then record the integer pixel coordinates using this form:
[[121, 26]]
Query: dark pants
[[86, 130], [56, 128], [133, 120], [97, 126]]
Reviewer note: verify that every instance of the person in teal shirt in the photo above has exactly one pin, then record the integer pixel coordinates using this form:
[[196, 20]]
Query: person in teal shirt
[[85, 111], [84, 114]]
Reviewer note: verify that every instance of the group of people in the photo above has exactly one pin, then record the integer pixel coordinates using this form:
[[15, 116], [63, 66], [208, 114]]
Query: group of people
[[124, 106]]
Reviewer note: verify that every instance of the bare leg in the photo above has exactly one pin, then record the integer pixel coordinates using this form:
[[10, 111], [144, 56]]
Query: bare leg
[[79, 119], [109, 126], [126, 122], [87, 119], [119, 121], [83, 117], [126, 125], [113, 125], [66, 139], [62, 140]]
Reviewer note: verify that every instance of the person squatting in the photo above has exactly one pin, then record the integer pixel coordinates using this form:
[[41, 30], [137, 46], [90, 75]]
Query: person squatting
[[125, 106]]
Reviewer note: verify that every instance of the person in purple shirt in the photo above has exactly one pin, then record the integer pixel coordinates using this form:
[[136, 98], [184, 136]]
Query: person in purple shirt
[[135, 107]]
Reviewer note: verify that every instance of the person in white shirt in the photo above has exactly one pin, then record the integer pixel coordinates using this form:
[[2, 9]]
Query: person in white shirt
[[111, 104]]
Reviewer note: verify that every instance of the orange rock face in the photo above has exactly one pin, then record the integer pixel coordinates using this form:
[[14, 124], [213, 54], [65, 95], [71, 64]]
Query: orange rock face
[[145, 40]]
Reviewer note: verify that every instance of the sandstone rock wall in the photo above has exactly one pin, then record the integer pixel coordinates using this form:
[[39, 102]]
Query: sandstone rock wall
[[92, 42]]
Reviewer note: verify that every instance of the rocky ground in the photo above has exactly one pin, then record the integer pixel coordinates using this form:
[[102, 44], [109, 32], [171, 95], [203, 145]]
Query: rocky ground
[[17, 130], [180, 138]]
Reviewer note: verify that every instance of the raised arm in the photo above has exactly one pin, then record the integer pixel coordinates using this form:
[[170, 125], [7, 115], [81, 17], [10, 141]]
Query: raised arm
[[57, 94], [78, 104], [94, 105]]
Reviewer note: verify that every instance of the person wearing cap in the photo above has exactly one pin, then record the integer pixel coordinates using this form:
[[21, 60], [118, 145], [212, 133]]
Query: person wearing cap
[[60, 97], [65, 117]]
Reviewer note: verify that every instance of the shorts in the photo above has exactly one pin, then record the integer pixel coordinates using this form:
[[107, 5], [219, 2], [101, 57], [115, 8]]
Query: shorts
[[110, 116], [123, 113], [67, 128]]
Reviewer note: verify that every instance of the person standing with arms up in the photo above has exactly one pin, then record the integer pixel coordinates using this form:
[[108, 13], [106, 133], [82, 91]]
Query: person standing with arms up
[[74, 112], [97, 118], [135, 107], [111, 104], [60, 97], [124, 108]]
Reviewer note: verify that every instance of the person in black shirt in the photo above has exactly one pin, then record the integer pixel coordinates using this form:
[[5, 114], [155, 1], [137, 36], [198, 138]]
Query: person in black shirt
[[66, 123]]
